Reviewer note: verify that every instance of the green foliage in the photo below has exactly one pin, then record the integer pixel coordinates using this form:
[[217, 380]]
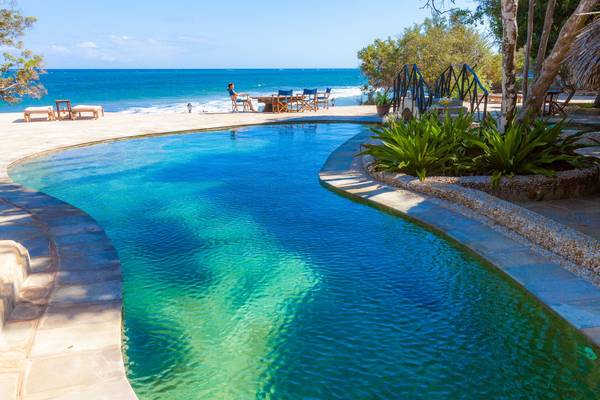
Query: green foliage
[[422, 146], [489, 11], [526, 149], [380, 63], [454, 146], [19, 68], [432, 45], [382, 99]]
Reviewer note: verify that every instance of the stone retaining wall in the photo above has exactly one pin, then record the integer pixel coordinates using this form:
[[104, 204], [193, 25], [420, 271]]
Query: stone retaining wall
[[565, 185], [14, 269]]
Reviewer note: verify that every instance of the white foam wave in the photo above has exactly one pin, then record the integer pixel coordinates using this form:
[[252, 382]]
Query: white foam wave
[[342, 96]]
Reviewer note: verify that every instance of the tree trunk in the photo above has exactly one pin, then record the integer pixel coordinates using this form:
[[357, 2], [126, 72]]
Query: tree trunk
[[597, 101], [531, 108], [530, 12], [548, 19], [509, 44]]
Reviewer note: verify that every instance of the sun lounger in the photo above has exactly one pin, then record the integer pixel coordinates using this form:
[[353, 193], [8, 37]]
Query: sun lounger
[[47, 110], [96, 111]]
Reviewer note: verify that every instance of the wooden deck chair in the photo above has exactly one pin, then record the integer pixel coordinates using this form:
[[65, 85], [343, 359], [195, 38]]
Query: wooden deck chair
[[283, 101], [308, 100], [236, 101], [323, 98]]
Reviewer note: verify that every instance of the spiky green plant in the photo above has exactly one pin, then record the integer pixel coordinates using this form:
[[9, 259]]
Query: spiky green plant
[[421, 147], [524, 149]]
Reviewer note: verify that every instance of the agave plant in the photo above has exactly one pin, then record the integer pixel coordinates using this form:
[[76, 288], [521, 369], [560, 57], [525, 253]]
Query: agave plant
[[525, 149], [422, 146]]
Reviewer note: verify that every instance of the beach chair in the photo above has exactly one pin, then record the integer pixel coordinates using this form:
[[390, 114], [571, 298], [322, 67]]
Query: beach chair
[[236, 101], [308, 101], [96, 111], [48, 111], [283, 101], [551, 105], [323, 98]]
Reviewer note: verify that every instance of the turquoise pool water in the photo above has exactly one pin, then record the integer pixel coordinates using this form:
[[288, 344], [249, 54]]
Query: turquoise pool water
[[244, 278]]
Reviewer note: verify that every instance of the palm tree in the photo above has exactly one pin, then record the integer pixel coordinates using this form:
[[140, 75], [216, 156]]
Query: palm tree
[[584, 59]]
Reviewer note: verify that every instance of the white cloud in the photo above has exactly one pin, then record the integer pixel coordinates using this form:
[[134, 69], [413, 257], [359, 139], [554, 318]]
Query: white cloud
[[119, 37], [88, 45], [55, 48]]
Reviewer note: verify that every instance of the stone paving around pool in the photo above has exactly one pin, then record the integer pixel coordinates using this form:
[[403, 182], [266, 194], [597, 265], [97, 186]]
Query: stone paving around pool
[[582, 214], [63, 338]]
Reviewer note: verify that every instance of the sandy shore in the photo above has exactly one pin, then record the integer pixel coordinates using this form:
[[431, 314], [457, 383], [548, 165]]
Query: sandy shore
[[20, 139]]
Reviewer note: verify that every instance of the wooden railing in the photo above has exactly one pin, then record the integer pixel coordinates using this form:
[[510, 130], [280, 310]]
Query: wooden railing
[[410, 83], [463, 84]]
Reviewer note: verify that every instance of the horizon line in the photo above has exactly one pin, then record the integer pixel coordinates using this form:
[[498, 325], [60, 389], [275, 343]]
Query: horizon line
[[200, 68]]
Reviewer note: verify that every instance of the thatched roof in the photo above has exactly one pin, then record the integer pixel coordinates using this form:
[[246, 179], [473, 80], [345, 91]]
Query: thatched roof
[[584, 58]]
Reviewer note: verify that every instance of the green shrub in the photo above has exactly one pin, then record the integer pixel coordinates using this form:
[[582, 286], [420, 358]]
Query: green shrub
[[525, 149], [382, 99], [422, 146], [453, 146]]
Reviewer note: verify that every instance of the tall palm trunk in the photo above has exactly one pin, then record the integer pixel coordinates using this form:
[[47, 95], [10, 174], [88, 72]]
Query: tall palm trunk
[[509, 44], [530, 12]]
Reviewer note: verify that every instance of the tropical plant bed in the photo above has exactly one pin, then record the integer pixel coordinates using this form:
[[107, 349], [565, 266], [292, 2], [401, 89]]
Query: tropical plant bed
[[564, 185], [536, 161]]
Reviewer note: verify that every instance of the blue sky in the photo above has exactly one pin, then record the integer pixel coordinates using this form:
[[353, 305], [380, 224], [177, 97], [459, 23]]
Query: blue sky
[[212, 34]]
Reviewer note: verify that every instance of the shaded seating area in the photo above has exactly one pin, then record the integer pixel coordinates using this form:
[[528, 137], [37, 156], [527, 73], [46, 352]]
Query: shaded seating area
[[551, 104]]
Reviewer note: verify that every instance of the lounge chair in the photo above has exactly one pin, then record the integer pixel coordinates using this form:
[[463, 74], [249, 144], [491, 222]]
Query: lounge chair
[[308, 101], [96, 111], [323, 98], [46, 110], [283, 101]]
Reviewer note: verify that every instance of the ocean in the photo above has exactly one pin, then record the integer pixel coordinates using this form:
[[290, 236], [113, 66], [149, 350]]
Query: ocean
[[168, 90]]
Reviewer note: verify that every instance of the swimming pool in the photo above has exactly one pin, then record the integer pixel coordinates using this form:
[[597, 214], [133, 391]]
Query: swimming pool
[[245, 278]]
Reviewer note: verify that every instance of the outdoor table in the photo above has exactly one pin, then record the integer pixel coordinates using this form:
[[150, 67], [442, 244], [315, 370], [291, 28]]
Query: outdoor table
[[268, 100], [66, 108], [441, 109]]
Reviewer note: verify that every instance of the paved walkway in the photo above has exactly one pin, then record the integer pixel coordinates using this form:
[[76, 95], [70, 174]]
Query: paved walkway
[[582, 214]]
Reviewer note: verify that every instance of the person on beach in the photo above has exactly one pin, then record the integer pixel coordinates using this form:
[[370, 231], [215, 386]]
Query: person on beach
[[234, 96]]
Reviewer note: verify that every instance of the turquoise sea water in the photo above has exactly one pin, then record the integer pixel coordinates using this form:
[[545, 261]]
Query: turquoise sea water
[[245, 278], [148, 90]]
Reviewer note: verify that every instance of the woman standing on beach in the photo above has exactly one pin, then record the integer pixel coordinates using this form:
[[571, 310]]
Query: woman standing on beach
[[234, 96]]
